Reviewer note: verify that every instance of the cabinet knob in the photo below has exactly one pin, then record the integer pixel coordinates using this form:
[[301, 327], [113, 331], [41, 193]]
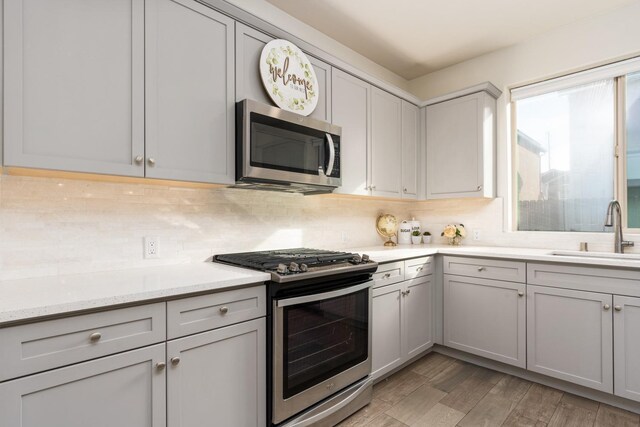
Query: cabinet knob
[[606, 307], [151, 161], [419, 269], [224, 310], [481, 268], [94, 337], [175, 360], [139, 160], [160, 366], [404, 189], [479, 187], [408, 291], [618, 308], [386, 275], [404, 294], [520, 294]]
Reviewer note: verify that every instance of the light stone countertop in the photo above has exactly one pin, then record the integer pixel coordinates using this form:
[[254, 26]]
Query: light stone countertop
[[25, 299]]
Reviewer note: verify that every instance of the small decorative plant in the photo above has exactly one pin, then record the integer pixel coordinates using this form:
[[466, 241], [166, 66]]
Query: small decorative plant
[[455, 233], [416, 237], [426, 237]]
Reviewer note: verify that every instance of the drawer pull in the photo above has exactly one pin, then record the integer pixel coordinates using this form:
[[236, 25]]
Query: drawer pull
[[160, 366], [94, 337], [481, 268], [606, 307], [386, 275], [419, 269], [224, 310], [175, 361], [520, 294], [618, 308]]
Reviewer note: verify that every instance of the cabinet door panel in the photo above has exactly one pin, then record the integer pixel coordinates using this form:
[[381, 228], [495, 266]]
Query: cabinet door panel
[[386, 143], [350, 110], [485, 317], [410, 150], [418, 309], [569, 336], [627, 347], [122, 390], [74, 85], [387, 351], [190, 84], [221, 377]]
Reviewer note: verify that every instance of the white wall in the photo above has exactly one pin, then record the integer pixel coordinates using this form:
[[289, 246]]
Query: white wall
[[577, 46]]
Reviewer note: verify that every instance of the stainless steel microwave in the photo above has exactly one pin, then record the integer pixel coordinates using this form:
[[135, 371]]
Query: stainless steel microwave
[[283, 151]]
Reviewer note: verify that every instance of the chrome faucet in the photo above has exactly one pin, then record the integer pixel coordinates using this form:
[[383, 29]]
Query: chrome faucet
[[616, 223]]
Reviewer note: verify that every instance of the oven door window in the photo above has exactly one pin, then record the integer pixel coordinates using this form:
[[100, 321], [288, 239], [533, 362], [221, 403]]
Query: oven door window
[[324, 338]]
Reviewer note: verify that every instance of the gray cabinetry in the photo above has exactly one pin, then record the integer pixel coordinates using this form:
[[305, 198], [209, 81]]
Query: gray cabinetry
[[127, 389], [461, 147], [418, 304], [74, 85], [410, 150], [189, 92], [569, 336], [387, 329], [249, 44], [386, 144], [626, 351]]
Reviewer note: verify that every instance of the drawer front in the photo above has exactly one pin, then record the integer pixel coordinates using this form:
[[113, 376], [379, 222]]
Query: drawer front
[[593, 279], [512, 271], [418, 267], [202, 313], [36, 347], [392, 272]]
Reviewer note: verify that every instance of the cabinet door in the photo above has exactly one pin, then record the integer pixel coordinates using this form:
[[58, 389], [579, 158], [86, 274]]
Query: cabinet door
[[219, 376], [486, 317], [249, 45], [387, 329], [190, 82], [418, 311], [122, 390], [74, 85], [350, 110], [386, 143], [455, 147], [626, 334], [569, 336], [410, 150]]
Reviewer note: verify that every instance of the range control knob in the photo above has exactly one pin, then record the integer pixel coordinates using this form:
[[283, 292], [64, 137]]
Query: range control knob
[[294, 267], [365, 258], [304, 268], [282, 269], [356, 259]]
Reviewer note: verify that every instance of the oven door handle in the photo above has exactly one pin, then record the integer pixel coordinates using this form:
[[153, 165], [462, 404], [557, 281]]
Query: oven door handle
[[332, 155], [326, 295]]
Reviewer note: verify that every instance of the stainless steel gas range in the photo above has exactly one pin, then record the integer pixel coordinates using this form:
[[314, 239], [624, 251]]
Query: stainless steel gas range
[[319, 333]]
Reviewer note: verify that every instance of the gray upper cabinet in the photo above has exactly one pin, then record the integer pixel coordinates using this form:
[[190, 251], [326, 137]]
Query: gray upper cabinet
[[410, 150], [189, 92], [461, 149], [350, 110], [74, 85], [626, 338], [386, 144], [127, 389], [249, 44]]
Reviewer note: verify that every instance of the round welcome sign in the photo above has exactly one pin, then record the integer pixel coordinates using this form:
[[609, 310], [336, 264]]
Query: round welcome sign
[[288, 77]]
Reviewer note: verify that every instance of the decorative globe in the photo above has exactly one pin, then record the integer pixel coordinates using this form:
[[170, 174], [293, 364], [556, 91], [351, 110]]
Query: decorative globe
[[387, 226]]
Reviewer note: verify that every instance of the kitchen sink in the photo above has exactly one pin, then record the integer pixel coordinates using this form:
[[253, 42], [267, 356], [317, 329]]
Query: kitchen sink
[[606, 255]]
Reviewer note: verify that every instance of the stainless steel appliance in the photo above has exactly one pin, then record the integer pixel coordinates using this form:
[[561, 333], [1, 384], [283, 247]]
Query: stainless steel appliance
[[319, 324], [283, 151]]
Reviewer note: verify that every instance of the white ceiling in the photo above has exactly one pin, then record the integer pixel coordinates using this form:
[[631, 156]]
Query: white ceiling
[[416, 37]]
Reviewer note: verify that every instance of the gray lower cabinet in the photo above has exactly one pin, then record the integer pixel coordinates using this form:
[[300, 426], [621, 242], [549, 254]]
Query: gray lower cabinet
[[486, 317], [249, 45], [218, 377], [127, 389], [569, 336], [402, 323], [626, 351], [74, 85], [189, 92], [386, 144]]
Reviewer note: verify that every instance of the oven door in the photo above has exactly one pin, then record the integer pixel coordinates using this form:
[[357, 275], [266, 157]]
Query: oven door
[[286, 147], [321, 344]]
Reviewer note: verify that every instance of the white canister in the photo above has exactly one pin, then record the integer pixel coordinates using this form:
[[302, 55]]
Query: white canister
[[404, 233], [415, 225]]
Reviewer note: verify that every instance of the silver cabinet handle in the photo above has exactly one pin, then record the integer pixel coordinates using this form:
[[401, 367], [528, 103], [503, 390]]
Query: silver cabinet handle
[[606, 307], [151, 161], [520, 294], [224, 310], [481, 268], [160, 366], [95, 336], [386, 275], [419, 269], [175, 360], [618, 308], [139, 160]]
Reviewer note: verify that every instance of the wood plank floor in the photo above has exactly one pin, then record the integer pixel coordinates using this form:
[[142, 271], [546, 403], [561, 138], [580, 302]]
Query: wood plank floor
[[438, 391]]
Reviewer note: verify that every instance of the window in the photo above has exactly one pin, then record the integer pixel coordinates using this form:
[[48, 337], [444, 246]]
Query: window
[[566, 137]]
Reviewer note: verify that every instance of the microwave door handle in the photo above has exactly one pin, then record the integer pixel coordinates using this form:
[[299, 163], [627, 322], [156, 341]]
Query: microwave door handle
[[332, 155]]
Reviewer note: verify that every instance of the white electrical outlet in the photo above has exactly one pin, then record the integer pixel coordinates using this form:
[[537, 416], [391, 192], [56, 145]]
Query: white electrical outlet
[[151, 247], [476, 234], [345, 237]]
